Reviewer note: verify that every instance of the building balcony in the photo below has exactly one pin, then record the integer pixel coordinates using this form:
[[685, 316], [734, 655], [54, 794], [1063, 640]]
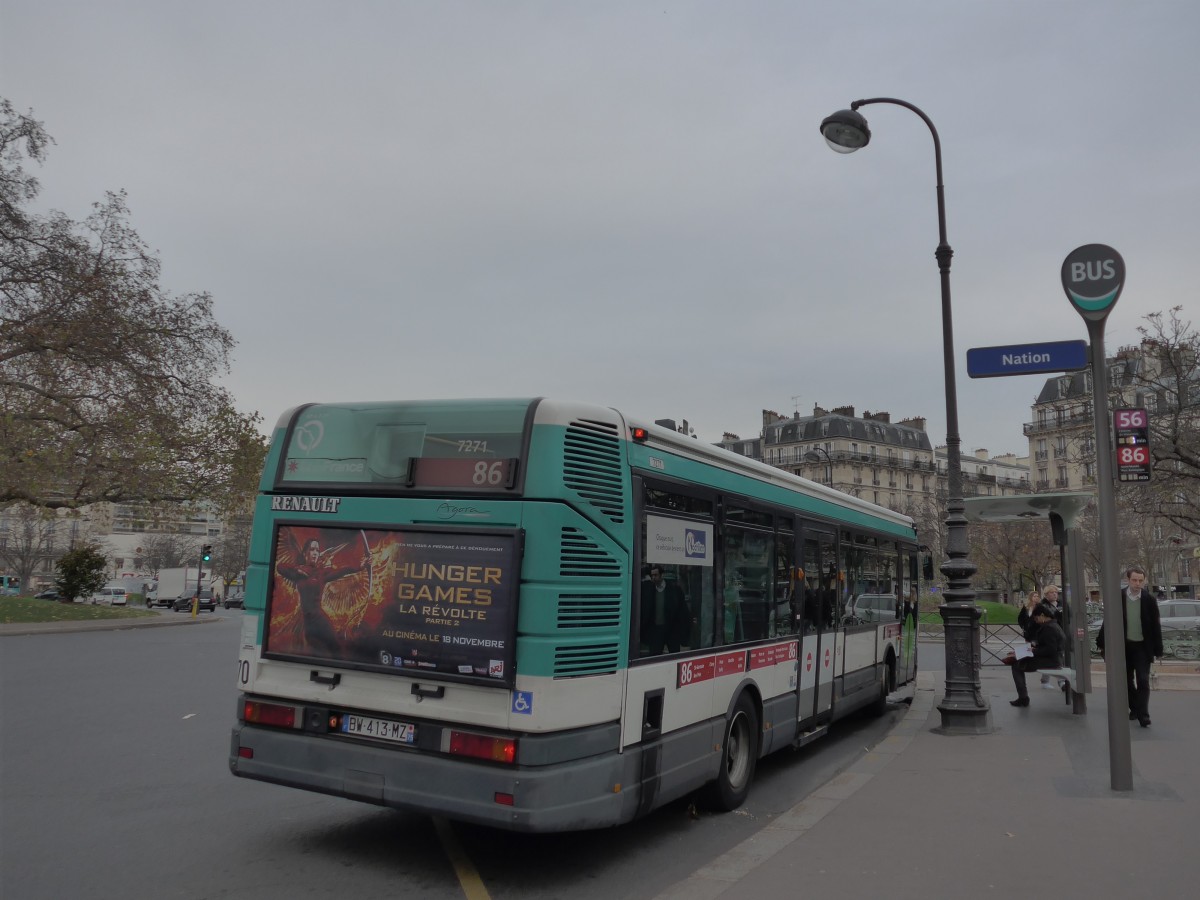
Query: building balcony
[[1058, 424]]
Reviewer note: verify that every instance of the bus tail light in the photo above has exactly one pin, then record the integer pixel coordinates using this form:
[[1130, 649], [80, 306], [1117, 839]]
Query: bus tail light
[[482, 746], [269, 714]]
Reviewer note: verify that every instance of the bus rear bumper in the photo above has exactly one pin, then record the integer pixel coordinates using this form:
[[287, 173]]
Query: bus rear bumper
[[571, 796]]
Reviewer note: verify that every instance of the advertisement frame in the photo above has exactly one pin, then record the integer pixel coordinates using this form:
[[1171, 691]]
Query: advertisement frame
[[511, 540]]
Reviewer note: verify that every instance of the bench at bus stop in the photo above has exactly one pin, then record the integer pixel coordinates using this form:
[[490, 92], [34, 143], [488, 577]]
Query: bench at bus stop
[[1066, 679]]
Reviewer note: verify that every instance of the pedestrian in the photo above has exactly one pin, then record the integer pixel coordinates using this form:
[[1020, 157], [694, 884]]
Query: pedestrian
[[1048, 643], [1050, 599], [1025, 616], [1143, 641], [666, 619]]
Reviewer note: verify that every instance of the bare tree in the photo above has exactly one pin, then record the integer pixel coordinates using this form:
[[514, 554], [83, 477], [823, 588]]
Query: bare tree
[[26, 538], [165, 550], [94, 350], [1168, 382], [1009, 553], [232, 554]]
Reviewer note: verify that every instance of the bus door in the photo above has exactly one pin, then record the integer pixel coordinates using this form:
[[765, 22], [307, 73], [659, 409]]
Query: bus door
[[910, 572], [819, 621]]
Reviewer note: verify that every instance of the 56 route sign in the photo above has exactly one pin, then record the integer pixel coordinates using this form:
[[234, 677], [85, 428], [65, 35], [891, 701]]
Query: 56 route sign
[[1131, 428]]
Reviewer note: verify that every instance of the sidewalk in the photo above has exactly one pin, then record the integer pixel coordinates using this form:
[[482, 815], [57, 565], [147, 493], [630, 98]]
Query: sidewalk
[[1024, 812]]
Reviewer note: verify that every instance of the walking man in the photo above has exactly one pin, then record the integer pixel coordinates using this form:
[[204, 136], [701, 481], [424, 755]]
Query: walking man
[[1143, 641]]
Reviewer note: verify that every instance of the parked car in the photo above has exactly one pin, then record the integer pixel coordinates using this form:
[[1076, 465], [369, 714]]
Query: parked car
[[207, 603], [1179, 614], [47, 595], [110, 596], [873, 608], [235, 598], [1180, 627]]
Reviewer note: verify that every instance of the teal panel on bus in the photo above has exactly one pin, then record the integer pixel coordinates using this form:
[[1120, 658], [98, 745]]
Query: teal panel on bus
[[669, 464], [585, 464], [574, 609]]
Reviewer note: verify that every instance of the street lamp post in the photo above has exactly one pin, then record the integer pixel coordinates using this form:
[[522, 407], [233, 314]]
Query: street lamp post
[[813, 454], [964, 709]]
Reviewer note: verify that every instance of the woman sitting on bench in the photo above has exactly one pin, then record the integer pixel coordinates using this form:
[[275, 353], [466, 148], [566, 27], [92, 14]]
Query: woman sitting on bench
[[1048, 642]]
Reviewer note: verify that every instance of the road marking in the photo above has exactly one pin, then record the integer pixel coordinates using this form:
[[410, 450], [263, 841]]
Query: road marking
[[464, 869]]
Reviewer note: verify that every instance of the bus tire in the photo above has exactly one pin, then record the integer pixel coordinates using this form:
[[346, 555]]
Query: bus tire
[[887, 684], [739, 754]]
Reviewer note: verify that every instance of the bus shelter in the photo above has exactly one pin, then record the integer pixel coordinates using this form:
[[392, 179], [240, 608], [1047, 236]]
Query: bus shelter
[[1060, 511]]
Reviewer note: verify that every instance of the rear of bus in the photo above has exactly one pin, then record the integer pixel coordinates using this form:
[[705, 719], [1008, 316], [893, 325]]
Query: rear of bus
[[434, 611]]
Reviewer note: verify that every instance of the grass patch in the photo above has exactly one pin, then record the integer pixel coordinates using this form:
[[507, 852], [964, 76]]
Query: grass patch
[[993, 614], [25, 610]]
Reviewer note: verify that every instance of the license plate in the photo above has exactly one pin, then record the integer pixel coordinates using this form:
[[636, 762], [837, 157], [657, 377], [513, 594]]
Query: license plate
[[383, 729]]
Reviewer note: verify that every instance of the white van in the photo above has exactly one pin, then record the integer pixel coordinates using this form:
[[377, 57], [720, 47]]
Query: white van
[[110, 596]]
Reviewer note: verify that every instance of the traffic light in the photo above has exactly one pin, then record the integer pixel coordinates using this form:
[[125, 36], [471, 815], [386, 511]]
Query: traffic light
[[206, 553]]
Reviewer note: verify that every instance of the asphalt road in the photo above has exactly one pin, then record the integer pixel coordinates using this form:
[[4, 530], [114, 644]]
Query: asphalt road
[[114, 783]]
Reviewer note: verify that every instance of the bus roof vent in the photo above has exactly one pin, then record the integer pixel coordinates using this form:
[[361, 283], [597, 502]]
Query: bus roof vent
[[592, 466], [575, 660], [581, 557]]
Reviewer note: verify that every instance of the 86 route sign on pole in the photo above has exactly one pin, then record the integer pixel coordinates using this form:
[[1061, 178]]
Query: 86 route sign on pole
[[1131, 428]]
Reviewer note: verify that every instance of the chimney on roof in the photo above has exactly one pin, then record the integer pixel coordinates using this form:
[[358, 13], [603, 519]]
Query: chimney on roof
[[917, 422], [843, 411], [981, 453], [878, 416], [770, 417], [818, 411], [730, 436]]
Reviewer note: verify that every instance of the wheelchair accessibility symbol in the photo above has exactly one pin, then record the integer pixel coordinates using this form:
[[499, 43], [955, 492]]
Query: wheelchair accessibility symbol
[[523, 702]]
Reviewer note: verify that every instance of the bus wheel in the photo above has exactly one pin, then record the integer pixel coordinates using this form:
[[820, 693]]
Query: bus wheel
[[887, 684], [738, 757]]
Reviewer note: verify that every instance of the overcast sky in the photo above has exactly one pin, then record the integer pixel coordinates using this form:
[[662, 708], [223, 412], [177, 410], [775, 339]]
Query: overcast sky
[[629, 203]]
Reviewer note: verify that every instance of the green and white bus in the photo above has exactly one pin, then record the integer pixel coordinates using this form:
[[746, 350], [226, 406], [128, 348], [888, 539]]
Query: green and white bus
[[540, 615]]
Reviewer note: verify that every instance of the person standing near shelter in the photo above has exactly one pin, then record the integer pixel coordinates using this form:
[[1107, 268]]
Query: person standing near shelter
[[1048, 644], [1143, 641], [1025, 616]]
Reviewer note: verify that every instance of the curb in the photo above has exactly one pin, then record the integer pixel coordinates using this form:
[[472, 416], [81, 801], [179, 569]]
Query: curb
[[99, 625], [723, 873]]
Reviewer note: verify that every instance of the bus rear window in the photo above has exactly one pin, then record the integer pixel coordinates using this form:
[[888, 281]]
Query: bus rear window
[[455, 445]]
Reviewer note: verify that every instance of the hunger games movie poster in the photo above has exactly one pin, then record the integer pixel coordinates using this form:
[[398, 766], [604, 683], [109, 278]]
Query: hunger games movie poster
[[400, 600]]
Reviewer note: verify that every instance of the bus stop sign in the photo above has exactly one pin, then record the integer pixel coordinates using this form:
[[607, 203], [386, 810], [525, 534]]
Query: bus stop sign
[[1092, 276]]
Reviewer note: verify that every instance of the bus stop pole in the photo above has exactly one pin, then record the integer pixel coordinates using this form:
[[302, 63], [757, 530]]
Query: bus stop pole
[[1120, 757]]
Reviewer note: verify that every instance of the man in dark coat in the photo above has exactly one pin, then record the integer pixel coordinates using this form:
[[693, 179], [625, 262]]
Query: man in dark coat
[[666, 620], [1048, 643], [1143, 641]]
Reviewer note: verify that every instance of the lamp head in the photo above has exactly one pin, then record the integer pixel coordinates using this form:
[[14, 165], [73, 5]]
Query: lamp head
[[812, 456], [845, 131]]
